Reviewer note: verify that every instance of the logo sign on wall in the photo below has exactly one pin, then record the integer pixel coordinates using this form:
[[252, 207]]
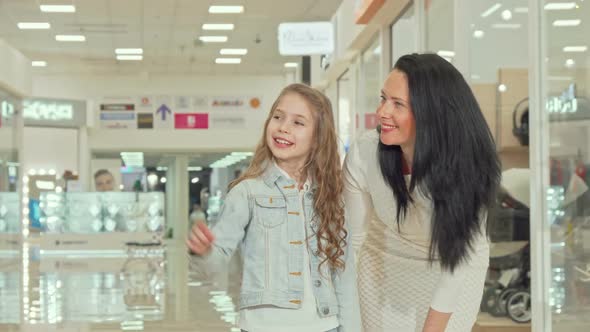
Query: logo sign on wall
[[191, 121], [117, 107], [145, 102], [145, 121], [118, 120], [235, 103], [227, 120], [182, 102], [306, 38]]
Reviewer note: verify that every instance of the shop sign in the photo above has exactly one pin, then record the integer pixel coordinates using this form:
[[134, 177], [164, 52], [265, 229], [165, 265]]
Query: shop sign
[[306, 38], [49, 111], [191, 121], [566, 103]]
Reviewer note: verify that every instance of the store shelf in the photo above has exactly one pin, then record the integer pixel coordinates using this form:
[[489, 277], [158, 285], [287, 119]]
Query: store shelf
[[487, 323]]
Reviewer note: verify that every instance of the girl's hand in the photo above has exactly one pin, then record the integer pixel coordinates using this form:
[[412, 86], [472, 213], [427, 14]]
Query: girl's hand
[[200, 239]]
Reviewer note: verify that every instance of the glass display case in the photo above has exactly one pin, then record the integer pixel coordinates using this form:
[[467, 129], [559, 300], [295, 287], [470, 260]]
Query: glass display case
[[100, 223], [102, 212], [9, 212]]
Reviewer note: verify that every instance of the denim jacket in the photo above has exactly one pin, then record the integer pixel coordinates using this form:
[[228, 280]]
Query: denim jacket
[[263, 217]]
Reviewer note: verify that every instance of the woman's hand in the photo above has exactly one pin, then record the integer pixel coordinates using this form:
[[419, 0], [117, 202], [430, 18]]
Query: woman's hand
[[436, 321], [200, 239]]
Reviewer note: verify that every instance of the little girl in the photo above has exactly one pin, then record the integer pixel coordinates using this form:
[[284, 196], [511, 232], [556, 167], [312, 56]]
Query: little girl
[[286, 214]]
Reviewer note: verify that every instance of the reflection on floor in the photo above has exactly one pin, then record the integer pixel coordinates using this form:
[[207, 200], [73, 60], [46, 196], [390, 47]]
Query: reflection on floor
[[146, 289]]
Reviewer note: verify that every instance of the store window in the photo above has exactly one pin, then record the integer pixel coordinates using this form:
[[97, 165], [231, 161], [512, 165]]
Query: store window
[[345, 100], [404, 34], [439, 27], [10, 222], [566, 81], [370, 85]]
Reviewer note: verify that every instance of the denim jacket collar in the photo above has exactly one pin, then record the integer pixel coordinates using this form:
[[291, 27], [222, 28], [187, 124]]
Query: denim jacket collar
[[273, 173]]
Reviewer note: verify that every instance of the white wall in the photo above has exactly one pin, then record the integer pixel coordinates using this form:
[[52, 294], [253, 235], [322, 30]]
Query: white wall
[[15, 70], [6, 139], [94, 88], [50, 148]]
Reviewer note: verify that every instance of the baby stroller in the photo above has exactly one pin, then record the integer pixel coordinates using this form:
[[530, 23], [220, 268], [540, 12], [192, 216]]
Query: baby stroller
[[507, 289]]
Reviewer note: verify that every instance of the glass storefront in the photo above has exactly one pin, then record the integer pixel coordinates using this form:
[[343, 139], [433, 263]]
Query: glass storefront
[[404, 34], [9, 166], [561, 136], [369, 86]]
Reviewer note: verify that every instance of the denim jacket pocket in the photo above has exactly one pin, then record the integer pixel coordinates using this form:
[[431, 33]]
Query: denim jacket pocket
[[271, 211]]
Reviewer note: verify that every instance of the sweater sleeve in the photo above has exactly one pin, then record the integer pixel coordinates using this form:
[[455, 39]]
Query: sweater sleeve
[[446, 295], [357, 201]]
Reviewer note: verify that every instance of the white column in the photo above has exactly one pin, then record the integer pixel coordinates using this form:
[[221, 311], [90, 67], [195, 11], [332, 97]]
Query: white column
[[180, 187], [84, 170], [540, 245]]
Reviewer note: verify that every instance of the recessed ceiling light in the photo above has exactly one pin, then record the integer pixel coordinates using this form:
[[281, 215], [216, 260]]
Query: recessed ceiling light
[[478, 34], [506, 26], [233, 51], [502, 88], [560, 5], [218, 26], [444, 53], [58, 8], [38, 63], [130, 57], [33, 25], [227, 61], [575, 48], [128, 51], [291, 65], [226, 9], [569, 63], [70, 38], [213, 39], [506, 15], [491, 10], [566, 23]]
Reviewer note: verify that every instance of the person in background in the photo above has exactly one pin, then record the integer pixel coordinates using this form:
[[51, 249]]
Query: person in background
[[286, 214], [104, 180], [197, 215]]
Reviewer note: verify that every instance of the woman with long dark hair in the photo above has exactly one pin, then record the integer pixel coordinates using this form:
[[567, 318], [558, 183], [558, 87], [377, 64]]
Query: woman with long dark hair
[[417, 195]]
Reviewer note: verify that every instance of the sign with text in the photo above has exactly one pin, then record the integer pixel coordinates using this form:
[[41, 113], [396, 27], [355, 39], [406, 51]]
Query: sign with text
[[306, 38], [48, 112], [145, 121], [227, 121], [191, 121], [117, 107], [235, 103], [117, 120]]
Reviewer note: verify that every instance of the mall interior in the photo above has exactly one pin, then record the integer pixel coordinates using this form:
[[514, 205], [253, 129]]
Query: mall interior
[[124, 122]]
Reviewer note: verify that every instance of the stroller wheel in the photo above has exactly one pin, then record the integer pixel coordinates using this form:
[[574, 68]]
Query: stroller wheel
[[500, 309], [518, 306], [489, 301]]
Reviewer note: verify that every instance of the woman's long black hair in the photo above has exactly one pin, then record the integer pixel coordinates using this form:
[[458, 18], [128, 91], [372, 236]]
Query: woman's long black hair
[[455, 162]]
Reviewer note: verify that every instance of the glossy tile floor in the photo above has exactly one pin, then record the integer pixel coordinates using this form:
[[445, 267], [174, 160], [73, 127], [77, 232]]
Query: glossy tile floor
[[143, 289]]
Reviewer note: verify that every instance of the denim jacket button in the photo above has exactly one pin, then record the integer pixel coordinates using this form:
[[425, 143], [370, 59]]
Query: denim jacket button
[[326, 310], [317, 283]]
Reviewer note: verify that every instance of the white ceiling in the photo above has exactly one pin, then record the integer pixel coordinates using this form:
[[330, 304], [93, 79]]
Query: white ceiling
[[165, 29]]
